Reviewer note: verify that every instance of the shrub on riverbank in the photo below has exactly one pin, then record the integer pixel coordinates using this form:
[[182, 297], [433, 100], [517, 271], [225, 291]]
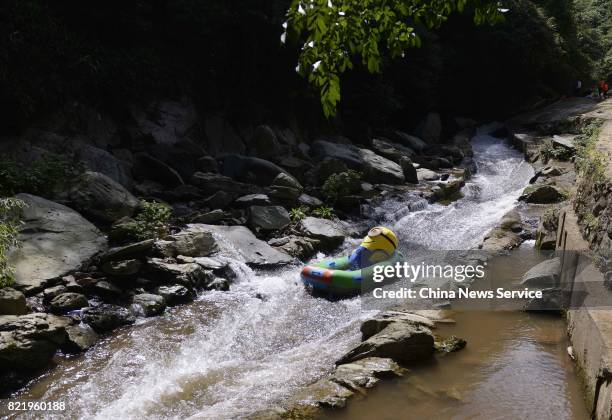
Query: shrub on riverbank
[[9, 211]]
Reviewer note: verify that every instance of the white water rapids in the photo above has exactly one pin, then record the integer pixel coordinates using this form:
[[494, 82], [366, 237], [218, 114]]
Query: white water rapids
[[234, 354]]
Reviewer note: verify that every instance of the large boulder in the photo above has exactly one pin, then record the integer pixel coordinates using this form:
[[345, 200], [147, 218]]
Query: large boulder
[[211, 183], [12, 302], [542, 194], [107, 317], [80, 338], [500, 239], [29, 342], [412, 142], [99, 160], [130, 251], [240, 239], [366, 373], [268, 217], [346, 153], [544, 275], [55, 240], [410, 172], [98, 196], [285, 189], [122, 267], [175, 294], [430, 128], [327, 232], [401, 341], [252, 200], [378, 169]]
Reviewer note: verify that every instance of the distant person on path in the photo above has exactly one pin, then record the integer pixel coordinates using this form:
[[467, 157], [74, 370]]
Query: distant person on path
[[578, 88], [605, 90], [600, 88]]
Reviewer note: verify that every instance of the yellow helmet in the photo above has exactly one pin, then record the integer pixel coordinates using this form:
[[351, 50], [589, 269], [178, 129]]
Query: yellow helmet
[[381, 239]]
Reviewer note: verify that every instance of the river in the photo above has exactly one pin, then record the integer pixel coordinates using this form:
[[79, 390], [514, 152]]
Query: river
[[238, 353]]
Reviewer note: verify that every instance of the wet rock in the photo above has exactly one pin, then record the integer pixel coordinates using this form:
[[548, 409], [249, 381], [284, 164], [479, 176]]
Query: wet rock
[[409, 171], [544, 275], [402, 342], [190, 274], [255, 252], [542, 194], [327, 232], [378, 169], [219, 283], [219, 200], [252, 200], [149, 304], [211, 183], [268, 217], [72, 285], [66, 302], [98, 196], [106, 290], [500, 239], [366, 373], [264, 143], [206, 262], [324, 393], [565, 141], [189, 243], [450, 344], [380, 321], [175, 294], [511, 221], [546, 234], [424, 174], [430, 129], [99, 160], [107, 317], [28, 342], [122, 268], [67, 238], [12, 302], [298, 247], [553, 300], [80, 338], [131, 251]]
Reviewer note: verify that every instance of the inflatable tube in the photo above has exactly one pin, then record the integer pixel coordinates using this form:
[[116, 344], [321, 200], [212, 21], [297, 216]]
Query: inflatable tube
[[335, 277]]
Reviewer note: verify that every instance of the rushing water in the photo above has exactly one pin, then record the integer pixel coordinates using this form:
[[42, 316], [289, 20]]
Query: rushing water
[[234, 354]]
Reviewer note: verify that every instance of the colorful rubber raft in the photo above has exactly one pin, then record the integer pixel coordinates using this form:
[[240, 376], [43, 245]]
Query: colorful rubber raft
[[335, 277]]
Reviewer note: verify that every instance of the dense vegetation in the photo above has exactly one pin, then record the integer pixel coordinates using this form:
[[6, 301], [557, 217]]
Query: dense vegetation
[[228, 55]]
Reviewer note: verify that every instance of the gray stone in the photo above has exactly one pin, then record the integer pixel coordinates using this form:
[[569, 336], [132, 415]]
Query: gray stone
[[390, 150], [106, 290], [544, 275], [252, 200], [219, 283], [566, 141], [366, 373], [268, 217], [28, 342], [402, 342], [211, 183], [210, 217], [285, 188], [80, 338], [346, 153], [50, 293], [149, 304], [176, 294], [427, 175], [98, 196], [500, 239], [188, 243], [122, 268], [327, 232], [107, 317], [412, 142], [255, 252], [189, 274], [133, 250], [380, 321], [219, 200], [99, 160], [450, 344], [309, 201], [54, 241], [66, 302], [378, 169], [542, 194], [12, 302]]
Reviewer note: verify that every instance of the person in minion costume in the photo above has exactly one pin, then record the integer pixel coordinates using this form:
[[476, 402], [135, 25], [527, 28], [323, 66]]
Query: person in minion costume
[[378, 246]]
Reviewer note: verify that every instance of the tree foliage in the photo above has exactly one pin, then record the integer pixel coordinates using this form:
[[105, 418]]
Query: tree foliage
[[336, 32], [9, 223]]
